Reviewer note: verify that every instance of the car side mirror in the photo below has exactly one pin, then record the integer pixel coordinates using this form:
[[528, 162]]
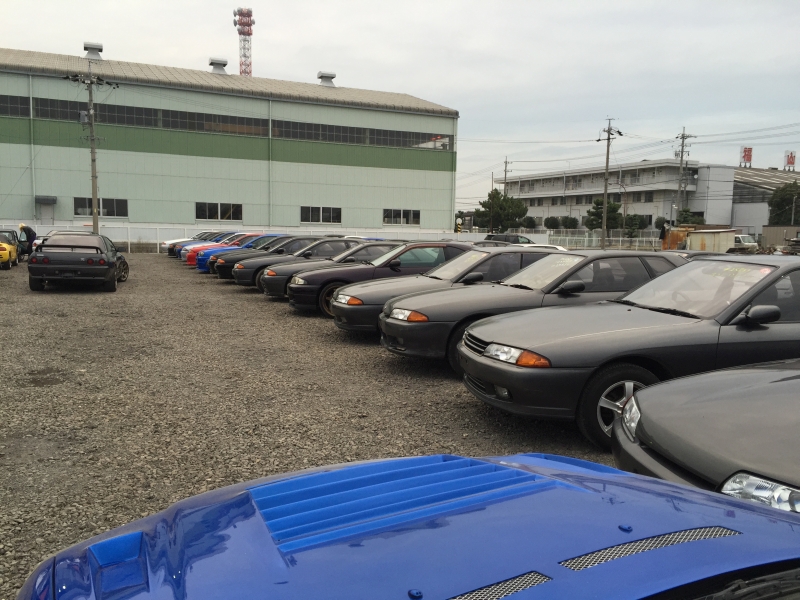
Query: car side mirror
[[763, 314], [349, 259], [571, 287], [280, 251], [307, 254], [394, 264], [471, 278]]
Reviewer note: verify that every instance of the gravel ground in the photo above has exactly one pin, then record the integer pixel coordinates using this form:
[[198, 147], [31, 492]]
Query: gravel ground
[[113, 406]]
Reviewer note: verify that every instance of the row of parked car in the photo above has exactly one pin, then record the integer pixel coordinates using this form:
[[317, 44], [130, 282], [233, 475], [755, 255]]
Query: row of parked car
[[608, 326]]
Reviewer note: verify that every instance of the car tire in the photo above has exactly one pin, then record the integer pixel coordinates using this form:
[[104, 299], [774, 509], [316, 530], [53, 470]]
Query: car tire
[[16, 261], [110, 286], [6, 266], [36, 284], [603, 397], [124, 272], [257, 281], [326, 295], [452, 347]]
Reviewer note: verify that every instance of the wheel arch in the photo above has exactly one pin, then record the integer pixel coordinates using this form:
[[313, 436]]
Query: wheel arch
[[468, 319], [652, 365]]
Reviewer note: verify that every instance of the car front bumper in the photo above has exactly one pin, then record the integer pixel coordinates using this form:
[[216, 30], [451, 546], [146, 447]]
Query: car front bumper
[[356, 318], [243, 276], [303, 297], [548, 393], [224, 270], [635, 457], [427, 340], [275, 285]]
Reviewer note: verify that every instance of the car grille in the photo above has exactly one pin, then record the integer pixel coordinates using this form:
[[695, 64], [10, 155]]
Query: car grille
[[481, 386], [505, 588], [477, 345], [652, 543]]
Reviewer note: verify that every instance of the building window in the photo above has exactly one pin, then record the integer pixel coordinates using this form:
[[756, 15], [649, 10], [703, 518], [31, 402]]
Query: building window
[[320, 214], [213, 211], [83, 207], [339, 134], [637, 197], [648, 196], [554, 201], [396, 216], [563, 201], [15, 106], [113, 207], [540, 202], [578, 199]]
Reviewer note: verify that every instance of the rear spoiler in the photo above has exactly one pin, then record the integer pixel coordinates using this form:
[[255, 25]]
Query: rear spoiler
[[43, 247]]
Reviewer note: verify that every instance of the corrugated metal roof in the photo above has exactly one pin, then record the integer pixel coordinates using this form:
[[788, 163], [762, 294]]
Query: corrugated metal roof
[[29, 62], [768, 179]]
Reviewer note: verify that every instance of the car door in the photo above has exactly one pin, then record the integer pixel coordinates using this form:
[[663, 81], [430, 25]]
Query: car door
[[414, 261], [741, 344], [605, 279]]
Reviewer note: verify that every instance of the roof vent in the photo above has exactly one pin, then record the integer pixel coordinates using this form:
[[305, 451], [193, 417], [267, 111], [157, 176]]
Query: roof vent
[[93, 50], [326, 78], [218, 65]]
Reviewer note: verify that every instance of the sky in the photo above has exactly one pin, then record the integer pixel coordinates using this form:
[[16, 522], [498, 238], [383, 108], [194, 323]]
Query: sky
[[532, 80]]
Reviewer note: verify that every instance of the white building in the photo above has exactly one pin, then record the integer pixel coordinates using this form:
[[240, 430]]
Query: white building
[[648, 188]]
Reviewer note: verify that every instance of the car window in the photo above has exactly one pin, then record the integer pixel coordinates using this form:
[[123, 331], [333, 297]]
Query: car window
[[422, 257], [294, 246], [528, 258], [658, 265], [499, 266], [4, 239], [370, 252], [458, 265], [521, 239], [331, 248], [109, 244], [785, 294], [612, 275]]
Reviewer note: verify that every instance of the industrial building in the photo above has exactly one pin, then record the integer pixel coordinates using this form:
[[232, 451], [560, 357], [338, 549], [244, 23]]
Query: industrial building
[[184, 149], [752, 189]]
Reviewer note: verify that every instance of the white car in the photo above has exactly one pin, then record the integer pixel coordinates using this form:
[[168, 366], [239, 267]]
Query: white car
[[548, 246]]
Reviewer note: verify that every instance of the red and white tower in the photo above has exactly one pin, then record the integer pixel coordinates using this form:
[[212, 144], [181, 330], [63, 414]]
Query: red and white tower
[[244, 22]]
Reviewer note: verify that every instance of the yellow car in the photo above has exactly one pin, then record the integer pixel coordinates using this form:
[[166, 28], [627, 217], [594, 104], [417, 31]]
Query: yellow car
[[8, 253]]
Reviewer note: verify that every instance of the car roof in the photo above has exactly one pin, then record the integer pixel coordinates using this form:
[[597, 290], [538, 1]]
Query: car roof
[[513, 248], [758, 259], [591, 253]]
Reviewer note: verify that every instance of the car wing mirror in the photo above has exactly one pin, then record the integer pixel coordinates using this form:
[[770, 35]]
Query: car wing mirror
[[307, 254], [394, 264], [349, 259], [471, 278], [280, 251], [763, 314], [571, 287]]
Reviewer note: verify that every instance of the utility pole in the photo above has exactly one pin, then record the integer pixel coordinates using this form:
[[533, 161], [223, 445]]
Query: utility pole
[[794, 201], [505, 177], [681, 183], [491, 204], [608, 131], [89, 120]]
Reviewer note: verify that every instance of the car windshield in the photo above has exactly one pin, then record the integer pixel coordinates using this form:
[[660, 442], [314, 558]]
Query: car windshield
[[544, 271], [455, 266], [703, 288], [747, 239], [383, 257], [262, 242], [4, 239]]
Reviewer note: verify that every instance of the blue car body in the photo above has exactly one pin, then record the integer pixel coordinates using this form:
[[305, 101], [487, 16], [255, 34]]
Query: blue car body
[[432, 527], [202, 261]]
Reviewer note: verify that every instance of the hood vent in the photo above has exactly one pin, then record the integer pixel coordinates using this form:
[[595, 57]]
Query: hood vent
[[323, 508], [652, 543], [505, 588]]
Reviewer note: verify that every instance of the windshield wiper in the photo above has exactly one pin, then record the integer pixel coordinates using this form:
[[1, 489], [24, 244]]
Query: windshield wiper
[[517, 285], [432, 276], [670, 311], [626, 303], [767, 586]]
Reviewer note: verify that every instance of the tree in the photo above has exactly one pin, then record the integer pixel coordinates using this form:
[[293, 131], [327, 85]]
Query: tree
[[780, 205], [594, 216], [633, 223], [552, 222], [529, 223], [569, 223], [499, 211], [660, 222], [685, 217]]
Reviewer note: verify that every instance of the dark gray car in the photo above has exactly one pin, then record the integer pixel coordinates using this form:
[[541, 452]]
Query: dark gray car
[[431, 324], [584, 362], [726, 430], [357, 307]]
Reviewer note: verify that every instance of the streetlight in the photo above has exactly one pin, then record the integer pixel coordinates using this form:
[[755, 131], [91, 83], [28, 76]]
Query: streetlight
[[673, 207]]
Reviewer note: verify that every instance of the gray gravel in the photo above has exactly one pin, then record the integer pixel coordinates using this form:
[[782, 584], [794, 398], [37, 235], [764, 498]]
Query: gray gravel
[[113, 406]]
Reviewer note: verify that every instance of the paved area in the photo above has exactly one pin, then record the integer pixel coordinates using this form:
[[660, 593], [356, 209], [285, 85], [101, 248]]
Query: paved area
[[114, 405]]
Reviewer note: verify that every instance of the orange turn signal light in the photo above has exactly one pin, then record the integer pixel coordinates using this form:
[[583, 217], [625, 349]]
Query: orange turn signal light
[[271, 273], [531, 359], [220, 261], [416, 317], [238, 266], [352, 301]]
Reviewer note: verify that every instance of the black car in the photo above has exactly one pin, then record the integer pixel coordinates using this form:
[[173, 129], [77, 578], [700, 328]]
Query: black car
[[67, 257], [275, 280], [511, 238], [431, 324], [249, 271], [584, 362], [726, 430], [226, 260], [357, 307], [314, 290]]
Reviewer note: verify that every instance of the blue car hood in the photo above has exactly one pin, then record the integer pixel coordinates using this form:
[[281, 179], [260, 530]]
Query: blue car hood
[[440, 526]]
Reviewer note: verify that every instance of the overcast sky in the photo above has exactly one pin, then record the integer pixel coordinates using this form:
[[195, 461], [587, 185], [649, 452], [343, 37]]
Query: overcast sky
[[516, 71]]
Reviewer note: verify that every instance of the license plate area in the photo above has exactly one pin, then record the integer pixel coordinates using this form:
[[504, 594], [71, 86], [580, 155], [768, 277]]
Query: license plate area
[[67, 274]]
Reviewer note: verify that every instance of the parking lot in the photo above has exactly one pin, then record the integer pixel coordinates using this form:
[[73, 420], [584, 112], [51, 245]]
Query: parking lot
[[114, 405]]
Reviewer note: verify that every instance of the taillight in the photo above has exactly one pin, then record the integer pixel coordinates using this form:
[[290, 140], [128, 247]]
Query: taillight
[[45, 260], [33, 259], [102, 261], [90, 261]]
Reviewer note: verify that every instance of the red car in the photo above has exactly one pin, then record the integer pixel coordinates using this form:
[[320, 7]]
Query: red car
[[191, 257]]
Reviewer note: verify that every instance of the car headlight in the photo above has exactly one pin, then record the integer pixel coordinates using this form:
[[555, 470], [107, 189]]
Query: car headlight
[[297, 281], [630, 417], [201, 254], [351, 300], [515, 356], [763, 491], [411, 316]]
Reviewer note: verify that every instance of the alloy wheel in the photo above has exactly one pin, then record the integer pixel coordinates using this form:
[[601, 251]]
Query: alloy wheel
[[612, 400]]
